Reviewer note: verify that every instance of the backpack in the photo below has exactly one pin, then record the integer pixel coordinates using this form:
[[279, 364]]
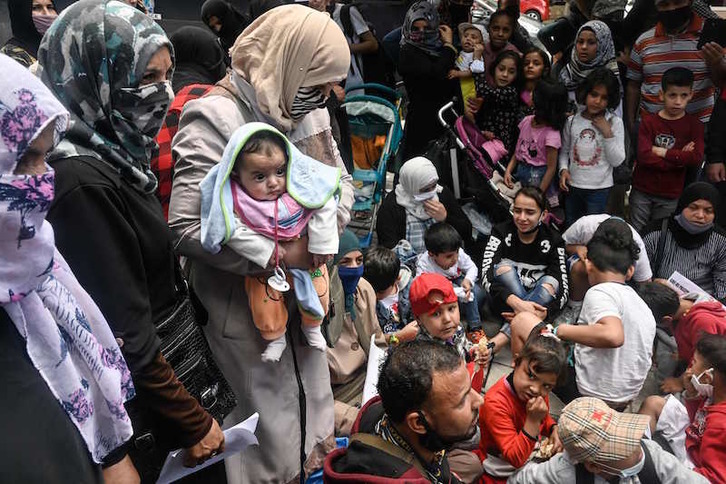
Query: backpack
[[377, 67], [647, 475]]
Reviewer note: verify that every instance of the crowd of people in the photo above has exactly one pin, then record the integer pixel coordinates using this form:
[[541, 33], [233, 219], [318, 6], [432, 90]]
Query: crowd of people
[[156, 184]]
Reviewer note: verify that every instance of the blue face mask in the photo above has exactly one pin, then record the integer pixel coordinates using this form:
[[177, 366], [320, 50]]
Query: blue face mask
[[350, 276]]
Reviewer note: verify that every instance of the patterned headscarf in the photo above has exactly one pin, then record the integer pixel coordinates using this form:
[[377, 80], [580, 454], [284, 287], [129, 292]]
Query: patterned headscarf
[[66, 336], [93, 58], [576, 71], [429, 40]]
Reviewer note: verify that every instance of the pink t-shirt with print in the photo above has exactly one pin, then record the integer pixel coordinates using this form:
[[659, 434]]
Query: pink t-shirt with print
[[533, 142]]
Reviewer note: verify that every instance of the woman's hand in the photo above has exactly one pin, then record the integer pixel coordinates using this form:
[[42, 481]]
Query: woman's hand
[[211, 445], [321, 259], [508, 179], [565, 179], [436, 210], [447, 36], [296, 253]]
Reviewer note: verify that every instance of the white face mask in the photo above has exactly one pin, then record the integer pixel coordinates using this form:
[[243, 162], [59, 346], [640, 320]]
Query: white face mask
[[390, 300], [422, 197], [703, 389]]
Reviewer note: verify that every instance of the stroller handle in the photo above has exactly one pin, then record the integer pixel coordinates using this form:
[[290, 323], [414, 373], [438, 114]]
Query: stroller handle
[[448, 106]]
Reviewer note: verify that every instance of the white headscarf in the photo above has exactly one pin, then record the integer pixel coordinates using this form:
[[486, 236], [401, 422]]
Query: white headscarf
[[415, 174]]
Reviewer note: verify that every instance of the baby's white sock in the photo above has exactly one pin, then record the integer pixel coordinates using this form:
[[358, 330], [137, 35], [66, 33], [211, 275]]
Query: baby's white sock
[[315, 337], [274, 350]]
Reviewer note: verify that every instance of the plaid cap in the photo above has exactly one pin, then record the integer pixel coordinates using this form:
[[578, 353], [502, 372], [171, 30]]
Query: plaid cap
[[422, 288], [593, 432]]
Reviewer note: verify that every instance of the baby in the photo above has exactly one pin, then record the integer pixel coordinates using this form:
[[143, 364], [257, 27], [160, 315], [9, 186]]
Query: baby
[[265, 191], [470, 60]]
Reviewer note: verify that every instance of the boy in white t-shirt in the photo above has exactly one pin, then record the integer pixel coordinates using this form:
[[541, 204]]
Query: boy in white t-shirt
[[576, 237], [615, 331]]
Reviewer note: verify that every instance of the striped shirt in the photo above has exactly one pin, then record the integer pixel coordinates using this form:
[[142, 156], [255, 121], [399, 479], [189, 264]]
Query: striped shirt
[[656, 51], [705, 266]]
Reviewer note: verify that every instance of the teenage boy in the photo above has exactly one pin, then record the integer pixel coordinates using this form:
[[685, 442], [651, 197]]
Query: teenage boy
[[615, 330], [695, 429], [669, 142], [686, 318], [445, 256], [391, 281]]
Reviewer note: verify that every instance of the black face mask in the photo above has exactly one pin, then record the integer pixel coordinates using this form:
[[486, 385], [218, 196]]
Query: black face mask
[[435, 442], [672, 19]]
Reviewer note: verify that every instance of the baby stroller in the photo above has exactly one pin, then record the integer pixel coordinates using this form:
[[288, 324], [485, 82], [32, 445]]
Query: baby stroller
[[470, 173], [376, 133]]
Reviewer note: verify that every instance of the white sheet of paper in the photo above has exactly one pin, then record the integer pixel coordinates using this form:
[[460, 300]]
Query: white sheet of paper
[[236, 439], [376, 356], [683, 286]]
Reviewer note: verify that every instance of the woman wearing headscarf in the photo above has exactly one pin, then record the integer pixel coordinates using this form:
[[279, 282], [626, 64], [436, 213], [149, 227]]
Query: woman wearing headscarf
[[417, 203], [224, 20], [426, 57], [690, 242], [199, 58], [29, 20], [585, 58], [107, 221], [283, 67], [63, 377], [348, 357]]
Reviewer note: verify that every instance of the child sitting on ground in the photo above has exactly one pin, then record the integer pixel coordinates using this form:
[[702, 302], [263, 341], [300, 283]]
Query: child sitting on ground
[[593, 143], [695, 431], [470, 60], [391, 281], [445, 256], [669, 141], [436, 309], [515, 420], [615, 330], [263, 192], [687, 318]]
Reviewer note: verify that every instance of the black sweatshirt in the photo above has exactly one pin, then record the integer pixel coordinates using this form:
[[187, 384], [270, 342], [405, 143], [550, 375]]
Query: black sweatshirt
[[544, 257]]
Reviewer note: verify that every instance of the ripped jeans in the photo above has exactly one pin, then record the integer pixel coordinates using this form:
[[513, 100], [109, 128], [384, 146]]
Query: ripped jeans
[[538, 294]]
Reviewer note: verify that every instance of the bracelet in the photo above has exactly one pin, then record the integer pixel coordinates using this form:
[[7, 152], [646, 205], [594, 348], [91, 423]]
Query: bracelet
[[393, 340], [526, 434]]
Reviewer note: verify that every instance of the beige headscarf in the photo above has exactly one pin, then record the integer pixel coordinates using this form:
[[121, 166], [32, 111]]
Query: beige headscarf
[[287, 48]]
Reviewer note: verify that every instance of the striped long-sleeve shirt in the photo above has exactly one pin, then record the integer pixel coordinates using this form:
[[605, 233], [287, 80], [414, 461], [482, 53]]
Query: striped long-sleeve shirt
[[656, 51], [704, 265]]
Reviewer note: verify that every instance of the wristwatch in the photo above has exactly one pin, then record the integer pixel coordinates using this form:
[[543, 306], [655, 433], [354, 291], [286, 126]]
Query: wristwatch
[[393, 340]]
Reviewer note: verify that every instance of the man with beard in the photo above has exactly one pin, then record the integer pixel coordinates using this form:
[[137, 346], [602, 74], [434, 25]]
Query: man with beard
[[426, 405]]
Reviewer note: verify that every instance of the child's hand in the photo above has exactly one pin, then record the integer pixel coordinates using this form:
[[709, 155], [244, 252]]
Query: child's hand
[[488, 135], [603, 126], [658, 151], [555, 439], [689, 147], [481, 357], [409, 332], [687, 385], [473, 105], [466, 284], [565, 179], [536, 409], [321, 259], [508, 179], [478, 51], [672, 385]]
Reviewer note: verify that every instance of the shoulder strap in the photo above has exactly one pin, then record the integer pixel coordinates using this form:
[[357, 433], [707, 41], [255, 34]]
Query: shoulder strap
[[345, 20], [661, 247], [393, 450], [647, 474]]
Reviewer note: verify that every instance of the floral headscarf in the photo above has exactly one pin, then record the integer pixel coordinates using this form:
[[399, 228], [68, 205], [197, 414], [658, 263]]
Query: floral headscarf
[[67, 338], [93, 59], [576, 71], [429, 40]]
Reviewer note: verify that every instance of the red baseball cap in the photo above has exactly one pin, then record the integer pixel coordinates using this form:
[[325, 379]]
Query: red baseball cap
[[423, 288]]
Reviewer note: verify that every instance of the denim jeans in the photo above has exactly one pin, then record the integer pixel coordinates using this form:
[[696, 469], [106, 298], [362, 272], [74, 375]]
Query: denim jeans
[[538, 294], [470, 310], [583, 201]]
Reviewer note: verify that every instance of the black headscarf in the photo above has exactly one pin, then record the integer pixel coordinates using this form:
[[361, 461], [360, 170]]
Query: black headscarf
[[258, 7], [21, 22], [233, 22], [199, 58], [693, 192]]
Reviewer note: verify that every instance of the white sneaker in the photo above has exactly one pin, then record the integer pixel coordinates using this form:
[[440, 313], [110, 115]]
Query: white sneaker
[[570, 314]]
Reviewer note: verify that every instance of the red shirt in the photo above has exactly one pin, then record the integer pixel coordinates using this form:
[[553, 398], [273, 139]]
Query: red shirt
[[705, 441], [162, 165], [664, 177], [501, 420], [705, 317]]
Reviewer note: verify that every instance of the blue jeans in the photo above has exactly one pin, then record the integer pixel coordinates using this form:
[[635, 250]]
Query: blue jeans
[[530, 175], [538, 294], [470, 310], [583, 201]]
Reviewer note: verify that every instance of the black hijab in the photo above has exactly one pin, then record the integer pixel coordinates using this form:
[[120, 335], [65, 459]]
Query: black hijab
[[199, 58], [258, 7], [21, 22], [693, 192], [233, 22]]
